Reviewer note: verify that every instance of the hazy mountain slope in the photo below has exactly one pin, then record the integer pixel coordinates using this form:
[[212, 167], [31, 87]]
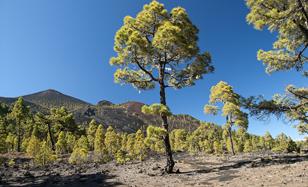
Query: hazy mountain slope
[[33, 107]]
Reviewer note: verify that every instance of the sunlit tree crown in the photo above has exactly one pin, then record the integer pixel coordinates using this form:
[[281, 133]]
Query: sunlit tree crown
[[156, 109], [223, 93], [289, 19], [155, 38]]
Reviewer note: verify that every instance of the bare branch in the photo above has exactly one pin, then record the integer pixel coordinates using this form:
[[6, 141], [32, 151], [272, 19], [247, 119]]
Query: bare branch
[[145, 71]]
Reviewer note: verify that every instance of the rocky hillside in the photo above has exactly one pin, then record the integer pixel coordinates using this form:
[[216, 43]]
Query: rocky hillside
[[124, 117]]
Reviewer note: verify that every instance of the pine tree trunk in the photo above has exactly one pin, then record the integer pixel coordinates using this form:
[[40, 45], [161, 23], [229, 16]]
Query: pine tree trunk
[[170, 162], [18, 136], [231, 140], [51, 137]]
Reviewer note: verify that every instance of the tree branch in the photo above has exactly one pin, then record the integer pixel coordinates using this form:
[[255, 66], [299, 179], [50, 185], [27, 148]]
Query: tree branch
[[294, 93], [303, 50], [144, 70], [302, 8]]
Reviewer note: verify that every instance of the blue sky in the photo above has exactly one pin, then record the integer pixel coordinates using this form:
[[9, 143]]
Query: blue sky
[[66, 45]]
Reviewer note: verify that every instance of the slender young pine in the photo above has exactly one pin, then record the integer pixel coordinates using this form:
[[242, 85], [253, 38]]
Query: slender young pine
[[222, 92], [19, 115]]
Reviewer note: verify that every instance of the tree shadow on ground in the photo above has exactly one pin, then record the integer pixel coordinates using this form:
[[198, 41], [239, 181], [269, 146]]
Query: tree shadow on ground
[[222, 176], [76, 180], [225, 176], [253, 163]]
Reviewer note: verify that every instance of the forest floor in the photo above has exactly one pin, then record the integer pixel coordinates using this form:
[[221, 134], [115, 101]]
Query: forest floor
[[241, 170]]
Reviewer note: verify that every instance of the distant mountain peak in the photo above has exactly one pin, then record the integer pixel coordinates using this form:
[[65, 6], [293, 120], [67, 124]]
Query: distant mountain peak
[[54, 99], [51, 90], [104, 103], [47, 92], [133, 106]]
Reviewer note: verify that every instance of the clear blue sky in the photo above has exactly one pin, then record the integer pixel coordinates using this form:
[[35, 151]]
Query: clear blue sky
[[66, 45]]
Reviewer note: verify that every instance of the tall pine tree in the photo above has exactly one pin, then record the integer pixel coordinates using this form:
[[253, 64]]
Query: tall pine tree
[[158, 47], [19, 115]]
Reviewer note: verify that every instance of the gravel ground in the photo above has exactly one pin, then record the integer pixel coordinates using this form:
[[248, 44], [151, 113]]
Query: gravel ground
[[240, 170]]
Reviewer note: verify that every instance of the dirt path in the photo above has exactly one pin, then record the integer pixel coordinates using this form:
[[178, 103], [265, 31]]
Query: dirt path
[[249, 170]]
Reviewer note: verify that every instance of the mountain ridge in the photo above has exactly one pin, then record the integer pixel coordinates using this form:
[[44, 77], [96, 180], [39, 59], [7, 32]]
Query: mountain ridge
[[125, 116]]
